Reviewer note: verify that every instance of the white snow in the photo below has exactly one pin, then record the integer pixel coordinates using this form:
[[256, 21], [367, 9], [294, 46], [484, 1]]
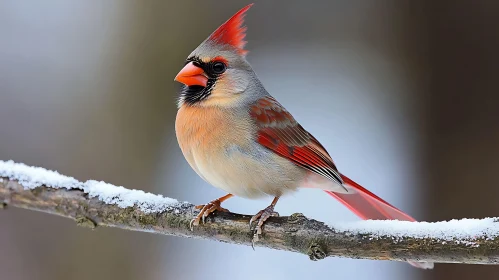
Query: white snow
[[110, 194], [31, 177], [465, 231]]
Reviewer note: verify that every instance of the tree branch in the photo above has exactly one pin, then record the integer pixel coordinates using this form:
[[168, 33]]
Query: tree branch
[[295, 233]]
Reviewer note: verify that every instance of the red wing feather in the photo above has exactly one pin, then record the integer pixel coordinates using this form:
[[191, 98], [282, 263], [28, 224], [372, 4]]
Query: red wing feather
[[279, 132]]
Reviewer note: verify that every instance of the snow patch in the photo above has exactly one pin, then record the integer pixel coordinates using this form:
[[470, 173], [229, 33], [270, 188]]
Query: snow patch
[[110, 194], [31, 177], [465, 231]]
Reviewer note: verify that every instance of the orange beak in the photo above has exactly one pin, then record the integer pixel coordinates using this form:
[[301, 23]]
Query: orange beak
[[191, 75]]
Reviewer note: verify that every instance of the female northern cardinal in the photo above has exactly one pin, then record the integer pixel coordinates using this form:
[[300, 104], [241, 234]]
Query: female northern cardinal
[[238, 138]]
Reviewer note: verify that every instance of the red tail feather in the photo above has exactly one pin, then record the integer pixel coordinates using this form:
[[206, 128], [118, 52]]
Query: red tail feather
[[367, 205]]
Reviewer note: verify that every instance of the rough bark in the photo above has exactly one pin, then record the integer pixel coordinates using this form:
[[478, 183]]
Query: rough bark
[[295, 233]]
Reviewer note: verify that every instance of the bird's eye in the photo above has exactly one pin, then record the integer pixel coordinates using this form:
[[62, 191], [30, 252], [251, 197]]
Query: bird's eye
[[218, 67]]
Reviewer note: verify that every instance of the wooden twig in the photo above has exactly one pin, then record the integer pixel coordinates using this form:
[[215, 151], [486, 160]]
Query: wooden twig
[[295, 233]]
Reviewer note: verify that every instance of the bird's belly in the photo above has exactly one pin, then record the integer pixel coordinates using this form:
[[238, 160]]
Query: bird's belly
[[249, 173]]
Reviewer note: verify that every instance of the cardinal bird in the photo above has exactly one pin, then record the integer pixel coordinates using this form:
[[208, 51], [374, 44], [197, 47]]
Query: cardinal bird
[[239, 138]]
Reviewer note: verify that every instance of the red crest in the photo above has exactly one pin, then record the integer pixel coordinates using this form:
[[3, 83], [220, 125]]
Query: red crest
[[232, 32]]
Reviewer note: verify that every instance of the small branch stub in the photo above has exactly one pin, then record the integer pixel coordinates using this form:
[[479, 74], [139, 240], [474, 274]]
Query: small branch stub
[[85, 222], [316, 252]]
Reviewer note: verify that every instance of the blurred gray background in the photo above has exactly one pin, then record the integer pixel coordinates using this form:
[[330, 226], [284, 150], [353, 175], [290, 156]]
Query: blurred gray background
[[403, 94]]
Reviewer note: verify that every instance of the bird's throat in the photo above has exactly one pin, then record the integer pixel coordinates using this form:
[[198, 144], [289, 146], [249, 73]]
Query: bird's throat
[[194, 94]]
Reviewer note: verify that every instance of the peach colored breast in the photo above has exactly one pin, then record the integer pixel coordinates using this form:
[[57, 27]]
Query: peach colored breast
[[219, 146]]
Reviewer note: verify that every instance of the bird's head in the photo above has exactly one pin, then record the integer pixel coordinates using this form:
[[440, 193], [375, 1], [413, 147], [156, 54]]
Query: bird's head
[[216, 73]]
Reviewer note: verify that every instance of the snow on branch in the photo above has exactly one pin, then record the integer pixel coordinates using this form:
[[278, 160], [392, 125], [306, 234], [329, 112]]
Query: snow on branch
[[92, 203]]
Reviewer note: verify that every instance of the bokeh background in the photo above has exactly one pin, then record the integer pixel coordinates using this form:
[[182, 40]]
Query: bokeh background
[[403, 94]]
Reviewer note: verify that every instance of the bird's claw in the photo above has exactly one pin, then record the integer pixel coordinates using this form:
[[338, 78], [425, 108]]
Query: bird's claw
[[206, 210], [261, 216]]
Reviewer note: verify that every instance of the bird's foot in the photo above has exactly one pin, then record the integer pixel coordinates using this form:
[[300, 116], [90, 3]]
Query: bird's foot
[[206, 210], [261, 216]]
